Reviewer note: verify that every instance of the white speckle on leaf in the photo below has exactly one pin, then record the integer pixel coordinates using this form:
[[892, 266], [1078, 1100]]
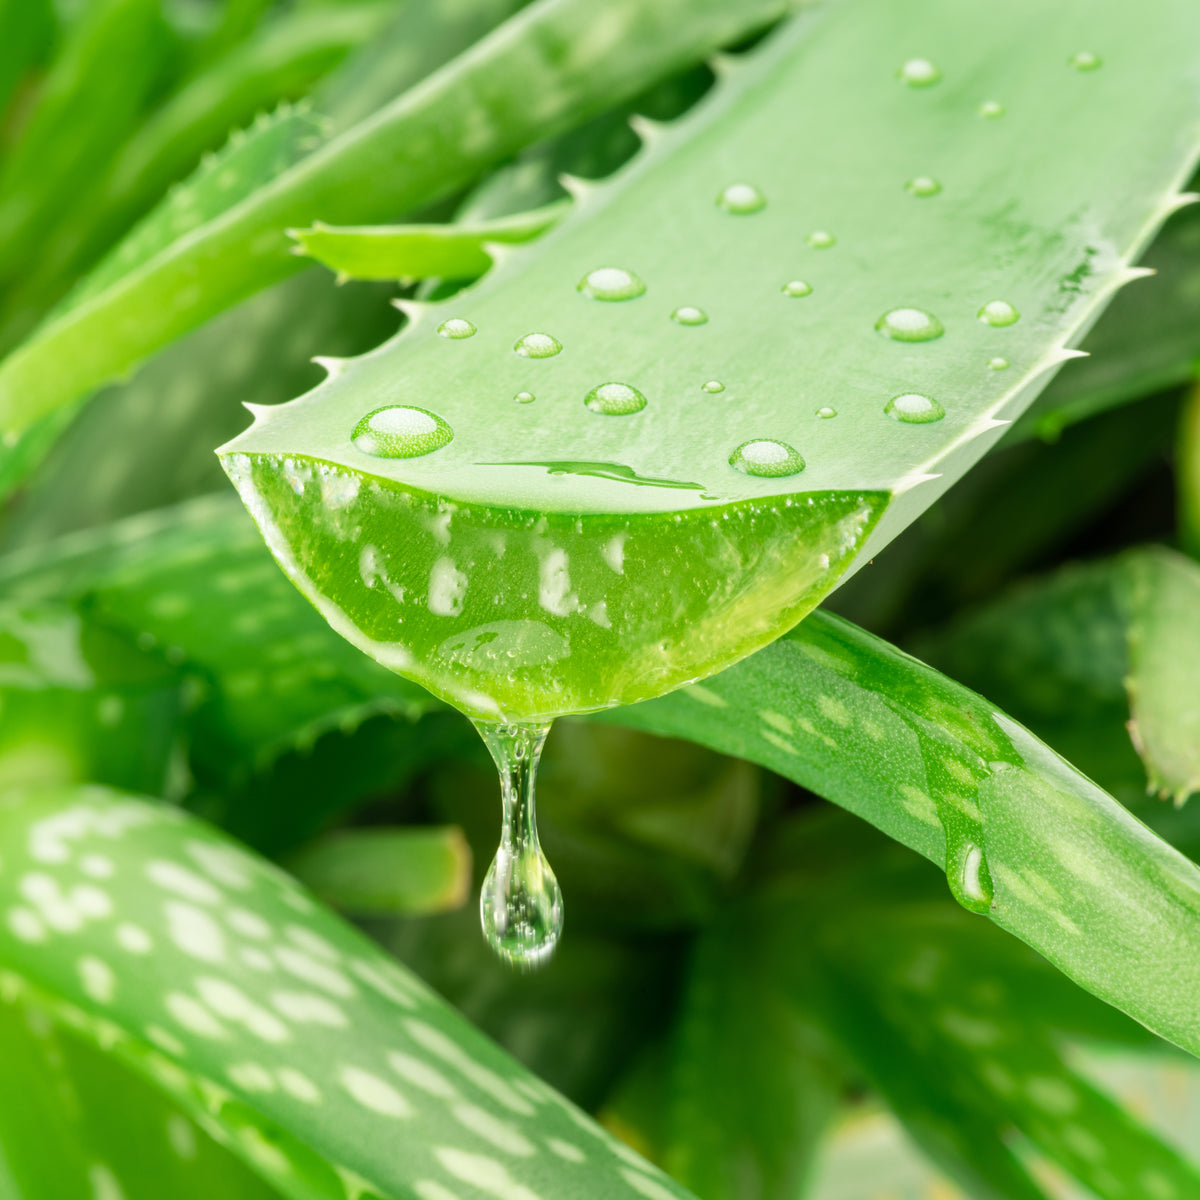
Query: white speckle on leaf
[[304, 966], [251, 1077], [450, 1052], [374, 1093], [195, 932], [233, 1004], [422, 1075], [647, 1187], [174, 877], [567, 1150], [248, 924], [309, 1009], [25, 925], [193, 1016], [500, 1133], [98, 979], [486, 1174], [222, 863], [181, 1136], [298, 1085]]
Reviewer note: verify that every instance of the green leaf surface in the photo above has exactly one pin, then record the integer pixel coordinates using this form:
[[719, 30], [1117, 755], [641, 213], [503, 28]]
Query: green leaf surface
[[1188, 468], [381, 872], [653, 468], [204, 969], [516, 87], [1022, 836], [456, 251], [28, 29]]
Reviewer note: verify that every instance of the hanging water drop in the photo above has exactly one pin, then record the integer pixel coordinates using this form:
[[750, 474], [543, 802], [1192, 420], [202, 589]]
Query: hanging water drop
[[797, 288], [968, 875], [914, 409], [537, 345], [520, 905], [615, 400], [399, 431], [456, 328], [712, 387], [688, 314], [611, 283], [1085, 60], [991, 109], [767, 459], [910, 325], [998, 313], [923, 185], [825, 412], [919, 73], [821, 239], [741, 199], [524, 397]]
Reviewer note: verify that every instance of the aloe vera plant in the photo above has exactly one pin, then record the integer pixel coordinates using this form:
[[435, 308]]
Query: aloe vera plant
[[703, 309]]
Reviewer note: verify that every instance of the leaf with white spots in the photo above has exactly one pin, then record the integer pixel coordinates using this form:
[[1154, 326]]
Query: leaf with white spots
[[283, 1032]]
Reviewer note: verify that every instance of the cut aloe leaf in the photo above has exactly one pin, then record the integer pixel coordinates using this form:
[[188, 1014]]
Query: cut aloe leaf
[[723, 434], [409, 252], [1022, 836], [283, 1032]]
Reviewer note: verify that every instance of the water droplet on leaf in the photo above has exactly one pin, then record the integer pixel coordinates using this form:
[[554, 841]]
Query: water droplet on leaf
[[766, 458], [919, 73], [537, 345], [914, 409], [821, 239], [713, 386], [398, 431], [796, 287], [524, 397], [990, 109], [611, 283], [909, 325], [742, 199], [997, 364], [998, 313], [615, 400], [1085, 60], [923, 185], [826, 412], [687, 314], [456, 328]]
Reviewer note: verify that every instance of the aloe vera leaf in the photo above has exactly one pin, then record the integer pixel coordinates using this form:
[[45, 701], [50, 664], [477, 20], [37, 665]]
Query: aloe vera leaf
[[73, 1122], [726, 591], [1023, 836], [394, 1088], [456, 251], [514, 88], [1187, 468], [382, 871], [28, 30]]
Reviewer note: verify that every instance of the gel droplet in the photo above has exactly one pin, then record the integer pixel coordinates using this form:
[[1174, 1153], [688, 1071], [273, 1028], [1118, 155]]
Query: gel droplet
[[998, 313], [1085, 60], [914, 409], [398, 431], [766, 458], [997, 364], [968, 875], [537, 345], [713, 386], [456, 328], [687, 314], [990, 109], [520, 905], [796, 287], [919, 73], [742, 199], [611, 283], [826, 412], [615, 400], [524, 397], [909, 325], [821, 239], [922, 185]]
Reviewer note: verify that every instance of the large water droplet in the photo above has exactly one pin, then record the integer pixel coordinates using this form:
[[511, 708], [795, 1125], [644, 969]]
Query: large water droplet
[[797, 288], [611, 283], [910, 325], [688, 314], [456, 328], [991, 109], [919, 72], [968, 875], [998, 313], [398, 431], [766, 458], [615, 400], [821, 239], [825, 412], [914, 409], [712, 386], [524, 397], [923, 185], [537, 345], [742, 199], [520, 905], [1085, 60]]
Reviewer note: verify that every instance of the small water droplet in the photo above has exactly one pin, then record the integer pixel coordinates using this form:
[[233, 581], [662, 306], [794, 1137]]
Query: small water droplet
[[524, 397], [826, 412], [923, 185], [398, 431], [766, 458], [796, 287], [611, 283], [713, 386], [821, 239], [1085, 60], [914, 409], [997, 364], [520, 905], [615, 400], [998, 313], [742, 199], [968, 875], [919, 73], [687, 314], [537, 345], [909, 325], [456, 328], [990, 109]]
